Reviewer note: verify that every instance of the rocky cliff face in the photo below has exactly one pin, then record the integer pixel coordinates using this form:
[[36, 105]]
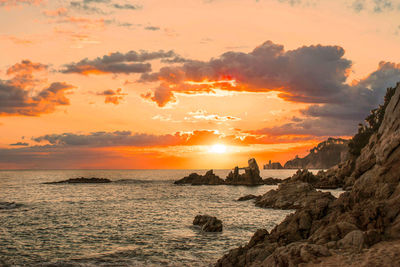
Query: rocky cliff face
[[357, 222], [324, 156]]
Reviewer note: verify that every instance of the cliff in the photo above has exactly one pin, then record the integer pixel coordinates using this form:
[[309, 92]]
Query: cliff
[[360, 228], [324, 156]]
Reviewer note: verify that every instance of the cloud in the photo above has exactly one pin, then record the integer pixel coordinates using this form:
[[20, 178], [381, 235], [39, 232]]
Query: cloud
[[152, 28], [127, 6], [59, 12], [376, 6], [309, 74], [202, 115], [130, 62], [19, 144], [12, 3], [113, 97], [18, 95], [17, 40]]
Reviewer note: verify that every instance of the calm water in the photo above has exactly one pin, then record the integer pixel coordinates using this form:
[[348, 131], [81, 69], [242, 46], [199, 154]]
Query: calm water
[[142, 220]]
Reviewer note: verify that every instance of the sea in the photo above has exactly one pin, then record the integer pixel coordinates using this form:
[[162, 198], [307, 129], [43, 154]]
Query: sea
[[141, 219]]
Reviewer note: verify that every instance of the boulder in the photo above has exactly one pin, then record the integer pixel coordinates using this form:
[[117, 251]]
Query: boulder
[[272, 181], [208, 223], [195, 179]]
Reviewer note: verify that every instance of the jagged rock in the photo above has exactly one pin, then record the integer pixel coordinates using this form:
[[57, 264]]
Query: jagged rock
[[293, 195], [273, 181], [367, 215], [208, 223], [325, 155], [247, 197], [9, 205], [82, 180], [273, 166], [195, 179], [250, 177]]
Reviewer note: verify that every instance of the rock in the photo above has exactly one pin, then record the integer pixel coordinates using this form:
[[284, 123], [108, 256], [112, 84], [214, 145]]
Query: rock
[[355, 240], [250, 177], [195, 179], [247, 197], [82, 180], [273, 166], [367, 215], [208, 223], [9, 205], [325, 155], [293, 195], [272, 181]]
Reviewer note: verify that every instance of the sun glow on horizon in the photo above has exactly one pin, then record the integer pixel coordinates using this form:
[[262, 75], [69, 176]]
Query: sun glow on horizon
[[218, 149]]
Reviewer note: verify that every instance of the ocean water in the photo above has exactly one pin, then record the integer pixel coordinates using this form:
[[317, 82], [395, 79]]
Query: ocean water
[[141, 219]]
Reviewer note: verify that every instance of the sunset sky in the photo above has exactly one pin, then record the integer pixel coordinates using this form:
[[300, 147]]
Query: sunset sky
[[187, 84]]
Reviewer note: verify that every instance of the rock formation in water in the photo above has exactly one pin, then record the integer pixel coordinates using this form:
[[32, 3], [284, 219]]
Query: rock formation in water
[[82, 180], [248, 197], [208, 223], [273, 166], [9, 205], [251, 175], [325, 155], [365, 220], [195, 179]]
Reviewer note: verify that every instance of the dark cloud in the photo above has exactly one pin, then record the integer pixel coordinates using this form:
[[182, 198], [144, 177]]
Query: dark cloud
[[310, 74], [19, 144], [17, 95], [130, 62], [152, 28], [127, 6], [376, 6], [113, 97]]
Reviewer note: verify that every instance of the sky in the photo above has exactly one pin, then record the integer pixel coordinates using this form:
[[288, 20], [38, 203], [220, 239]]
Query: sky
[[199, 84]]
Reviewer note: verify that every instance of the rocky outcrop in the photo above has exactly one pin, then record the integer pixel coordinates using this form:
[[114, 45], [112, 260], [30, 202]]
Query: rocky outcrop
[[358, 219], [322, 180], [325, 155], [273, 166], [9, 205], [82, 180], [208, 223], [195, 179], [273, 181], [247, 197], [251, 175], [294, 195]]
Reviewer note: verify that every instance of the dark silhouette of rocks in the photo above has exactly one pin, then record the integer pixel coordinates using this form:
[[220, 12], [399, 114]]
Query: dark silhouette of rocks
[[9, 205], [247, 197], [327, 230], [273, 181], [195, 179], [273, 166], [251, 175], [325, 155], [208, 223], [82, 180]]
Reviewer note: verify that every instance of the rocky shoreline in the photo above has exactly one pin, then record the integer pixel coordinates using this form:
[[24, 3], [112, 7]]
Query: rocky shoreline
[[324, 230]]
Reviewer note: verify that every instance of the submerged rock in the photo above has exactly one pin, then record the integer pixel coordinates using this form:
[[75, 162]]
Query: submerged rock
[[195, 179], [9, 205], [273, 181], [247, 197], [208, 223], [82, 180]]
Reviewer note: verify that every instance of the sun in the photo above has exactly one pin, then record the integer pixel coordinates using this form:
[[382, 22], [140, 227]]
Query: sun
[[218, 149]]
